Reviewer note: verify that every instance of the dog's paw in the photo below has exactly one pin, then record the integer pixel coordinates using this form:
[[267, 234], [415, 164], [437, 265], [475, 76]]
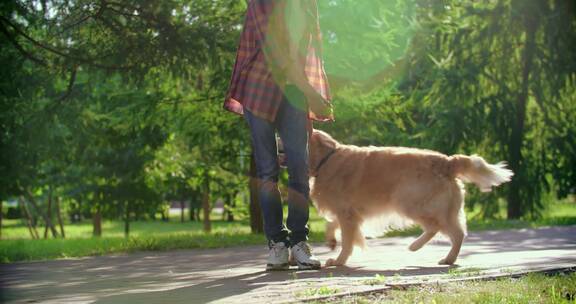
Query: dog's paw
[[332, 244], [332, 262], [446, 261], [414, 247]]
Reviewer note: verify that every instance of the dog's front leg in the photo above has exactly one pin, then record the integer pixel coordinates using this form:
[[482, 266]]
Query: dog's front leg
[[350, 227]]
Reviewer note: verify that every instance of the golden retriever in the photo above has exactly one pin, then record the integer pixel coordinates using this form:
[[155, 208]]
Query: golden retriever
[[351, 185]]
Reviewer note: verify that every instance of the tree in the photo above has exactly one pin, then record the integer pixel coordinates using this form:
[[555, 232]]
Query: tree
[[482, 69], [105, 65], [493, 77]]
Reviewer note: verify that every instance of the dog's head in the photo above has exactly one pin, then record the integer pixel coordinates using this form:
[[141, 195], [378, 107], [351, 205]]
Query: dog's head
[[321, 144]]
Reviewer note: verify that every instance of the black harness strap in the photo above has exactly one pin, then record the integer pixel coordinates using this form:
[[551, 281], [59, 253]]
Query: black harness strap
[[323, 161]]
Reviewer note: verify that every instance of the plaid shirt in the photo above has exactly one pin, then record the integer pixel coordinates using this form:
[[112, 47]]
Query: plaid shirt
[[255, 85]]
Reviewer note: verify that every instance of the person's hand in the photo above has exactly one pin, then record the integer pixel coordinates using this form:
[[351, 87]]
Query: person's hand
[[318, 105]]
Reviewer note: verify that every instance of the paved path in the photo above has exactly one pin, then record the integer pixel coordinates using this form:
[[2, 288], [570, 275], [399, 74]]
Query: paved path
[[234, 275]]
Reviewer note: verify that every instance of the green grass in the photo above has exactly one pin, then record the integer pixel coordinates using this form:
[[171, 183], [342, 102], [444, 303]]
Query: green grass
[[25, 250], [317, 292], [464, 272], [377, 280], [16, 244], [112, 229], [533, 288], [557, 214]]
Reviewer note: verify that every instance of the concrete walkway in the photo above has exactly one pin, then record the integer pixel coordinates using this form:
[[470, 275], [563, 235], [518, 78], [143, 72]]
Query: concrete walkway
[[234, 275]]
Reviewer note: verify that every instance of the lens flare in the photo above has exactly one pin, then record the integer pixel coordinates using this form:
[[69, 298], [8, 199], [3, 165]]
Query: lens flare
[[362, 40]]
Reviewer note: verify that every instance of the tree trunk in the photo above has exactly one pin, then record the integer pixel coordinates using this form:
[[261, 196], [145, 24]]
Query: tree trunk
[[225, 208], [195, 206], [515, 157], [1, 205], [59, 217], [256, 222], [192, 208], [97, 222], [76, 213], [165, 218], [47, 220], [80, 202], [31, 228], [49, 214], [230, 205], [126, 219], [206, 204], [182, 207]]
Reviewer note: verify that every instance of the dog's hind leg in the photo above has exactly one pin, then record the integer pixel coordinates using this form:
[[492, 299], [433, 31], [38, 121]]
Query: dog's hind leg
[[424, 238], [455, 226], [331, 233], [350, 227], [359, 239], [456, 234]]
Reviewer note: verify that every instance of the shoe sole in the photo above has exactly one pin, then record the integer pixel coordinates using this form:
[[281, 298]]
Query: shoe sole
[[278, 267], [302, 266]]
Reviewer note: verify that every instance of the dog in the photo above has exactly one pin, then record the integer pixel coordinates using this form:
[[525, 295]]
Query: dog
[[351, 185]]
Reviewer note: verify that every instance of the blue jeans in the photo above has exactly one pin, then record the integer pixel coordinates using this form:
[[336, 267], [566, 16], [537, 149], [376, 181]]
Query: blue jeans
[[291, 123]]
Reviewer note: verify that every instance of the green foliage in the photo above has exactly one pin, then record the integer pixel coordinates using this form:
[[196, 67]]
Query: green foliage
[[364, 39], [93, 89], [478, 77], [117, 104]]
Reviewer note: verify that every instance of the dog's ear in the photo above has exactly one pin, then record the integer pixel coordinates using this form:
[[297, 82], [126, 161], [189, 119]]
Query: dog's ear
[[323, 139]]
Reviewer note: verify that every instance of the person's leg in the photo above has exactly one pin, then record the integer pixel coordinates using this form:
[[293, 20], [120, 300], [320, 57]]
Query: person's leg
[[292, 126], [266, 157]]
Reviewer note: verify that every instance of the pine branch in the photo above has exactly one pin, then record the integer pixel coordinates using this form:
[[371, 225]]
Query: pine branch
[[61, 53], [70, 85], [21, 49]]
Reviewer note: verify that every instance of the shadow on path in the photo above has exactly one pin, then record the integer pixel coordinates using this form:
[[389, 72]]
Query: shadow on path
[[235, 274], [229, 287]]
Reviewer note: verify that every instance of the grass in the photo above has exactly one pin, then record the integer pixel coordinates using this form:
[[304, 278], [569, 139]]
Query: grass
[[16, 244], [497, 224], [533, 288], [377, 280], [557, 214], [316, 292], [112, 229], [464, 272], [25, 250]]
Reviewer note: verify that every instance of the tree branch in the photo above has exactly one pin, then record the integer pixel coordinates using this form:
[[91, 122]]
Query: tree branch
[[15, 43], [60, 52], [70, 85]]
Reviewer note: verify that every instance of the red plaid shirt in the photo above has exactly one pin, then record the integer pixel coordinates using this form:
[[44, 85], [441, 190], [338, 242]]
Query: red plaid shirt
[[253, 85]]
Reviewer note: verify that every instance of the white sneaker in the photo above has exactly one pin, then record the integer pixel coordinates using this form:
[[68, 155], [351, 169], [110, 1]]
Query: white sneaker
[[303, 256], [277, 257]]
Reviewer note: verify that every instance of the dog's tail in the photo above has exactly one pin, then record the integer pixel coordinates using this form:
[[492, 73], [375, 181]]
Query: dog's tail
[[476, 170]]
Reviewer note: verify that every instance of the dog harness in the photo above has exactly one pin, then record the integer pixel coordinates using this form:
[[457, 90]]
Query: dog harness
[[323, 161]]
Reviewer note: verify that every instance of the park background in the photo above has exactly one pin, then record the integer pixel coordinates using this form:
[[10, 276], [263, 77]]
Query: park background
[[111, 114]]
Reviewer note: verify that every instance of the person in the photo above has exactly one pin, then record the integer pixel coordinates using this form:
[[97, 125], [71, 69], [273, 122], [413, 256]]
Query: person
[[279, 85]]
